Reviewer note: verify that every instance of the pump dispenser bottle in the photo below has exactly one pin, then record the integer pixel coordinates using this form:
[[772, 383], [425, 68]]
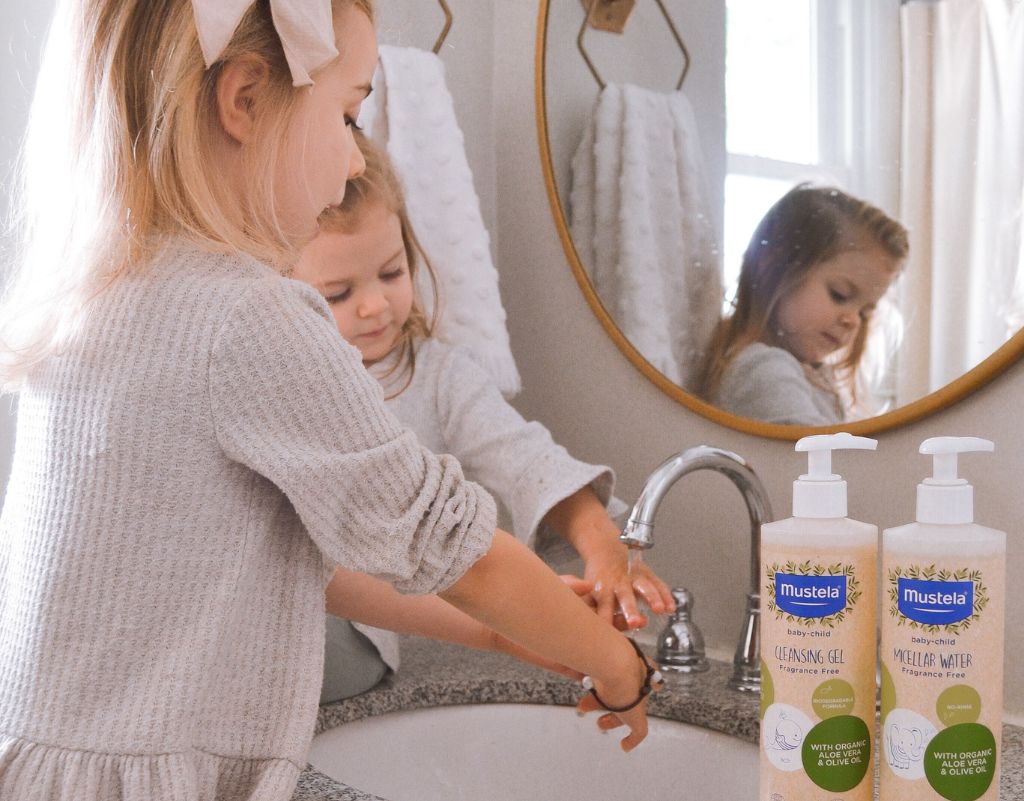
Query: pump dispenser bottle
[[818, 613], [944, 581]]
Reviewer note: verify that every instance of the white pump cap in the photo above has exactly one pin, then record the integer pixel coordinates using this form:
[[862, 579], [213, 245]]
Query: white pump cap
[[820, 493], [945, 498]]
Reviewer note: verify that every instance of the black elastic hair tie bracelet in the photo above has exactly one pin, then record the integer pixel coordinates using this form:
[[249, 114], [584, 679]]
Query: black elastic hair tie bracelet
[[651, 678]]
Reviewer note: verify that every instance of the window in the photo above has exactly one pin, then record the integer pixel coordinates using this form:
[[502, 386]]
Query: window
[[812, 93]]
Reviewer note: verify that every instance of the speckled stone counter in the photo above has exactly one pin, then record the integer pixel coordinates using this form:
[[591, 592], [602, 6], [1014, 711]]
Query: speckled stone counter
[[434, 674]]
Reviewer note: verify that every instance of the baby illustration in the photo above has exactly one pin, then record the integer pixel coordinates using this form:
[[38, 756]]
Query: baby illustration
[[788, 736]]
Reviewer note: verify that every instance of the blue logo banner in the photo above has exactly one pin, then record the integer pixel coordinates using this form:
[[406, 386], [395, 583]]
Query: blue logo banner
[[935, 603], [810, 596]]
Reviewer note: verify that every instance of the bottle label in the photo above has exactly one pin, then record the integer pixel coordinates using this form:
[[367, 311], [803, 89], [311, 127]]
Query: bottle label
[[941, 679], [810, 596], [936, 599], [935, 602], [810, 593], [817, 674]]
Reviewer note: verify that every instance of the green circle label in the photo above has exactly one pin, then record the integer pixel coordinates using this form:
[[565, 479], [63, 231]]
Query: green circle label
[[767, 689], [958, 704], [837, 753], [960, 762], [887, 692], [831, 698]]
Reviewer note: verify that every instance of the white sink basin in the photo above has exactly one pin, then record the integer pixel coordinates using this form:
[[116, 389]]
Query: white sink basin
[[523, 752]]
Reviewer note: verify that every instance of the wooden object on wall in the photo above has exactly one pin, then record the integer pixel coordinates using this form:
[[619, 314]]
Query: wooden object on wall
[[609, 15]]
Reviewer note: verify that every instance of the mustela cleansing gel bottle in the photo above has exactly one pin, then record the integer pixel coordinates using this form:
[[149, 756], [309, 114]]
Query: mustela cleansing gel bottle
[[944, 581], [818, 627]]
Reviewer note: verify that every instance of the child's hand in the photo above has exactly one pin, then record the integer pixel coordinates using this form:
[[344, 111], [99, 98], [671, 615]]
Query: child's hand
[[621, 692], [635, 718], [617, 591], [583, 521]]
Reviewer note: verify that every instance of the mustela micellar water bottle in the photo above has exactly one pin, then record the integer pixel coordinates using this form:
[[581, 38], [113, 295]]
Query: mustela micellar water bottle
[[818, 608], [943, 585]]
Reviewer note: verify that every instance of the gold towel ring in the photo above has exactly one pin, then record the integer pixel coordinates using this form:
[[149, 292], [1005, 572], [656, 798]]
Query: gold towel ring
[[593, 4], [447, 26]]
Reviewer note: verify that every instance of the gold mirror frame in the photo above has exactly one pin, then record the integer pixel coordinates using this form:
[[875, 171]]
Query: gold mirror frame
[[943, 398]]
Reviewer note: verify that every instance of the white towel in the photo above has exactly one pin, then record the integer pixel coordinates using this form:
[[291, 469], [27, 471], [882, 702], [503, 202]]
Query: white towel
[[641, 224], [412, 114]]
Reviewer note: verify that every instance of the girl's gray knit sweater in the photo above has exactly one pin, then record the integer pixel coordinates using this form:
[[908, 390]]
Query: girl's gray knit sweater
[[187, 471]]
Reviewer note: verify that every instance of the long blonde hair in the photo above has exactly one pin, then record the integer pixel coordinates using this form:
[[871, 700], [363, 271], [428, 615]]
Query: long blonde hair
[[807, 226], [380, 184], [120, 152]]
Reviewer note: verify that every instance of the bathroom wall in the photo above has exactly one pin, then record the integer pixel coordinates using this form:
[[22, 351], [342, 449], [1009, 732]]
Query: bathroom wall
[[600, 407], [577, 382]]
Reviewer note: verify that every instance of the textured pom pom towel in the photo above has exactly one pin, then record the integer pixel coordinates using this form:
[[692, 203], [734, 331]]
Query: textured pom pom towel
[[412, 114], [641, 225]]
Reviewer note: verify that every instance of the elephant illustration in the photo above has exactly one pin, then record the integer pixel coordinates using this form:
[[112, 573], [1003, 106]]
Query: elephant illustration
[[906, 745]]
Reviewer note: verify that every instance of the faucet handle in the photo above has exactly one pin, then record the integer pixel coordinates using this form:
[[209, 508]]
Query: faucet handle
[[684, 602], [681, 643]]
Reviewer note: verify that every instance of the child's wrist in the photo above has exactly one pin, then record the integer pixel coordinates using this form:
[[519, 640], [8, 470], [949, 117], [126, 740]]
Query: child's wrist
[[598, 541], [633, 681]]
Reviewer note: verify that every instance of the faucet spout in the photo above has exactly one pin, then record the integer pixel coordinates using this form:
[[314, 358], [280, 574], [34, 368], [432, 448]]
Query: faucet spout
[[639, 533]]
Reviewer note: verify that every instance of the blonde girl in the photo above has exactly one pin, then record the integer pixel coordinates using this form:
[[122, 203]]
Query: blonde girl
[[367, 263], [816, 267], [197, 448]]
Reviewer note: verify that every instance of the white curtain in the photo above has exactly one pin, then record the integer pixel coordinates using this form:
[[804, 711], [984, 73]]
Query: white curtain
[[962, 186]]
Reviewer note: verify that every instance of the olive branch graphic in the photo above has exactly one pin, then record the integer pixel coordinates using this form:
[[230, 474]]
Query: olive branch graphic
[[853, 591]]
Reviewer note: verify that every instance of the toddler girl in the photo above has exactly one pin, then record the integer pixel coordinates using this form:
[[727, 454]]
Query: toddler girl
[[816, 267], [197, 448], [365, 262]]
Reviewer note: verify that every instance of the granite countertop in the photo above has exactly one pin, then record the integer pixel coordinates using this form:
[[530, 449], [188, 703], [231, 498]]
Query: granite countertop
[[436, 674]]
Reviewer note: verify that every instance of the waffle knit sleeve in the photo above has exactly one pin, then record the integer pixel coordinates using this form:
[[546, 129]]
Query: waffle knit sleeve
[[292, 402]]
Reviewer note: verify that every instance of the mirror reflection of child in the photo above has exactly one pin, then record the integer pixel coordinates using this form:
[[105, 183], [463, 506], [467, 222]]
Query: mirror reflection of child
[[365, 262], [816, 267]]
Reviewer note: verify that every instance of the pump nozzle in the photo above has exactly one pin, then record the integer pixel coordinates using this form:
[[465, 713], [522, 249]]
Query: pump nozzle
[[820, 493], [819, 449], [945, 497], [945, 450]]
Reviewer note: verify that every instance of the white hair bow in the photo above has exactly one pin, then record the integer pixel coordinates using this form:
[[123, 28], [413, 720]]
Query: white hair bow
[[306, 29]]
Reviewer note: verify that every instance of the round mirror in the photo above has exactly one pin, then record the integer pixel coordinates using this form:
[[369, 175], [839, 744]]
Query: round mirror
[[674, 151]]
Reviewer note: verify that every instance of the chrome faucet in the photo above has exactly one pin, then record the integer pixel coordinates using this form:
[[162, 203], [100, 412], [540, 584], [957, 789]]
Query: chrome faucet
[[639, 533]]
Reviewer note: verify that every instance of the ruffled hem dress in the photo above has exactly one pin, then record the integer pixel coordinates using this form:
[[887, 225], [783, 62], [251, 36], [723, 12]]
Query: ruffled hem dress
[[34, 772], [188, 472]]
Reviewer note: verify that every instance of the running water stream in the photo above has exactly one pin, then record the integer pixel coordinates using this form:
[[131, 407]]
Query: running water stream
[[655, 622]]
